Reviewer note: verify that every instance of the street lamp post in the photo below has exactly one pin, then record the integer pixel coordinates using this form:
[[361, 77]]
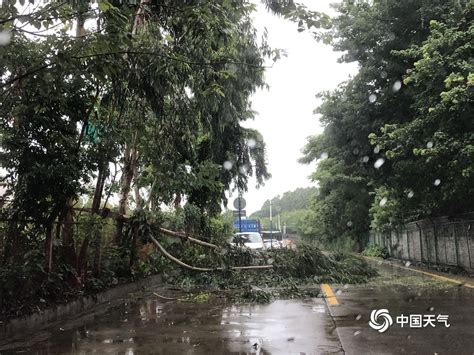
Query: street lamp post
[[271, 229]]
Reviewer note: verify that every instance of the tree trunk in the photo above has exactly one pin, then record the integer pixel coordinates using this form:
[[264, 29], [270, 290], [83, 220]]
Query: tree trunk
[[97, 238], [130, 161], [49, 248], [12, 240], [80, 21], [68, 246]]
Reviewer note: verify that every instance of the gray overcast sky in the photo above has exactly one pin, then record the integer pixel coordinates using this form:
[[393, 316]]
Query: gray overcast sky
[[285, 111]]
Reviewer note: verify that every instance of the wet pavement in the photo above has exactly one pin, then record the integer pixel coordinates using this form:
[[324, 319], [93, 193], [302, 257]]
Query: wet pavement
[[150, 325], [153, 326], [405, 292]]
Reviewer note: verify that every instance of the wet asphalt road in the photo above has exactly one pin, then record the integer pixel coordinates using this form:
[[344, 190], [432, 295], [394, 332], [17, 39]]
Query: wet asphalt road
[[405, 292], [154, 326]]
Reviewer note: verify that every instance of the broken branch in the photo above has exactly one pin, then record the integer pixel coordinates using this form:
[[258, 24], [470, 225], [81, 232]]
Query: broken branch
[[202, 269]]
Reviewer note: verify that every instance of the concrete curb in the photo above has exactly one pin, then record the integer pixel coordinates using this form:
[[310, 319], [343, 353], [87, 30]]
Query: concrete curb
[[60, 312]]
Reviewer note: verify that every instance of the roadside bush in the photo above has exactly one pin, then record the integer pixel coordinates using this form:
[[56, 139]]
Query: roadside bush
[[376, 251]]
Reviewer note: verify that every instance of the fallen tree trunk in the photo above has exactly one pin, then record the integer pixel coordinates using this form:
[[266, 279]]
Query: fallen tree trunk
[[203, 269], [191, 239]]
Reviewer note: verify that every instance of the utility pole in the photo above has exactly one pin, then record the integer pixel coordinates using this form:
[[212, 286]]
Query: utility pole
[[240, 214], [271, 227]]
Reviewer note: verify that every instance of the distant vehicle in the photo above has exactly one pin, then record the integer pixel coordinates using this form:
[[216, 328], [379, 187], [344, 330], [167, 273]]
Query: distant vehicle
[[247, 225], [273, 239], [275, 244], [251, 240]]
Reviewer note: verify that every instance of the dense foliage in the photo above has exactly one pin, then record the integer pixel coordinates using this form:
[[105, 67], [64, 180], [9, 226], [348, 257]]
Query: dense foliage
[[111, 113], [398, 140]]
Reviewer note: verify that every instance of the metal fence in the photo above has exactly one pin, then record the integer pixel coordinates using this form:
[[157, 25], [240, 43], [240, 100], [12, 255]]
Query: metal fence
[[444, 241]]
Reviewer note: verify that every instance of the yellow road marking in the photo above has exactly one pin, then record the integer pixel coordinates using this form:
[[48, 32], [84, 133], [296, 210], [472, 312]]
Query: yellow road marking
[[330, 296], [439, 277]]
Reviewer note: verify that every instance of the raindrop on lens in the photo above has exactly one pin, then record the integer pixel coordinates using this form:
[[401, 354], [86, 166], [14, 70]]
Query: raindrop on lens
[[356, 333], [355, 151], [251, 143], [437, 182], [407, 264], [365, 159], [5, 37], [376, 149], [396, 86], [410, 194], [383, 74], [243, 169], [372, 98], [431, 309], [227, 165], [324, 155], [429, 145], [379, 163], [383, 201], [349, 224], [358, 317]]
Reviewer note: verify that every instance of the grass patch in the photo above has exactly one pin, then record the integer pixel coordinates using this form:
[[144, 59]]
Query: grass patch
[[376, 251]]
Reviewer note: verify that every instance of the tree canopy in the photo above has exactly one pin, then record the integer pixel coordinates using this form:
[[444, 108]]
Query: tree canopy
[[398, 137]]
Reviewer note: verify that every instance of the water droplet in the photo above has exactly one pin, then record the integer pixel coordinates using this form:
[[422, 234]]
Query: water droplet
[[410, 194], [189, 93], [227, 165], [396, 86], [437, 182], [407, 264], [358, 317], [377, 149], [365, 159], [372, 98], [338, 292], [5, 37], [379, 162], [383, 201], [324, 155], [431, 309], [243, 169], [408, 337], [252, 143], [349, 223], [188, 168], [355, 151], [429, 145], [383, 74], [357, 332], [419, 294]]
